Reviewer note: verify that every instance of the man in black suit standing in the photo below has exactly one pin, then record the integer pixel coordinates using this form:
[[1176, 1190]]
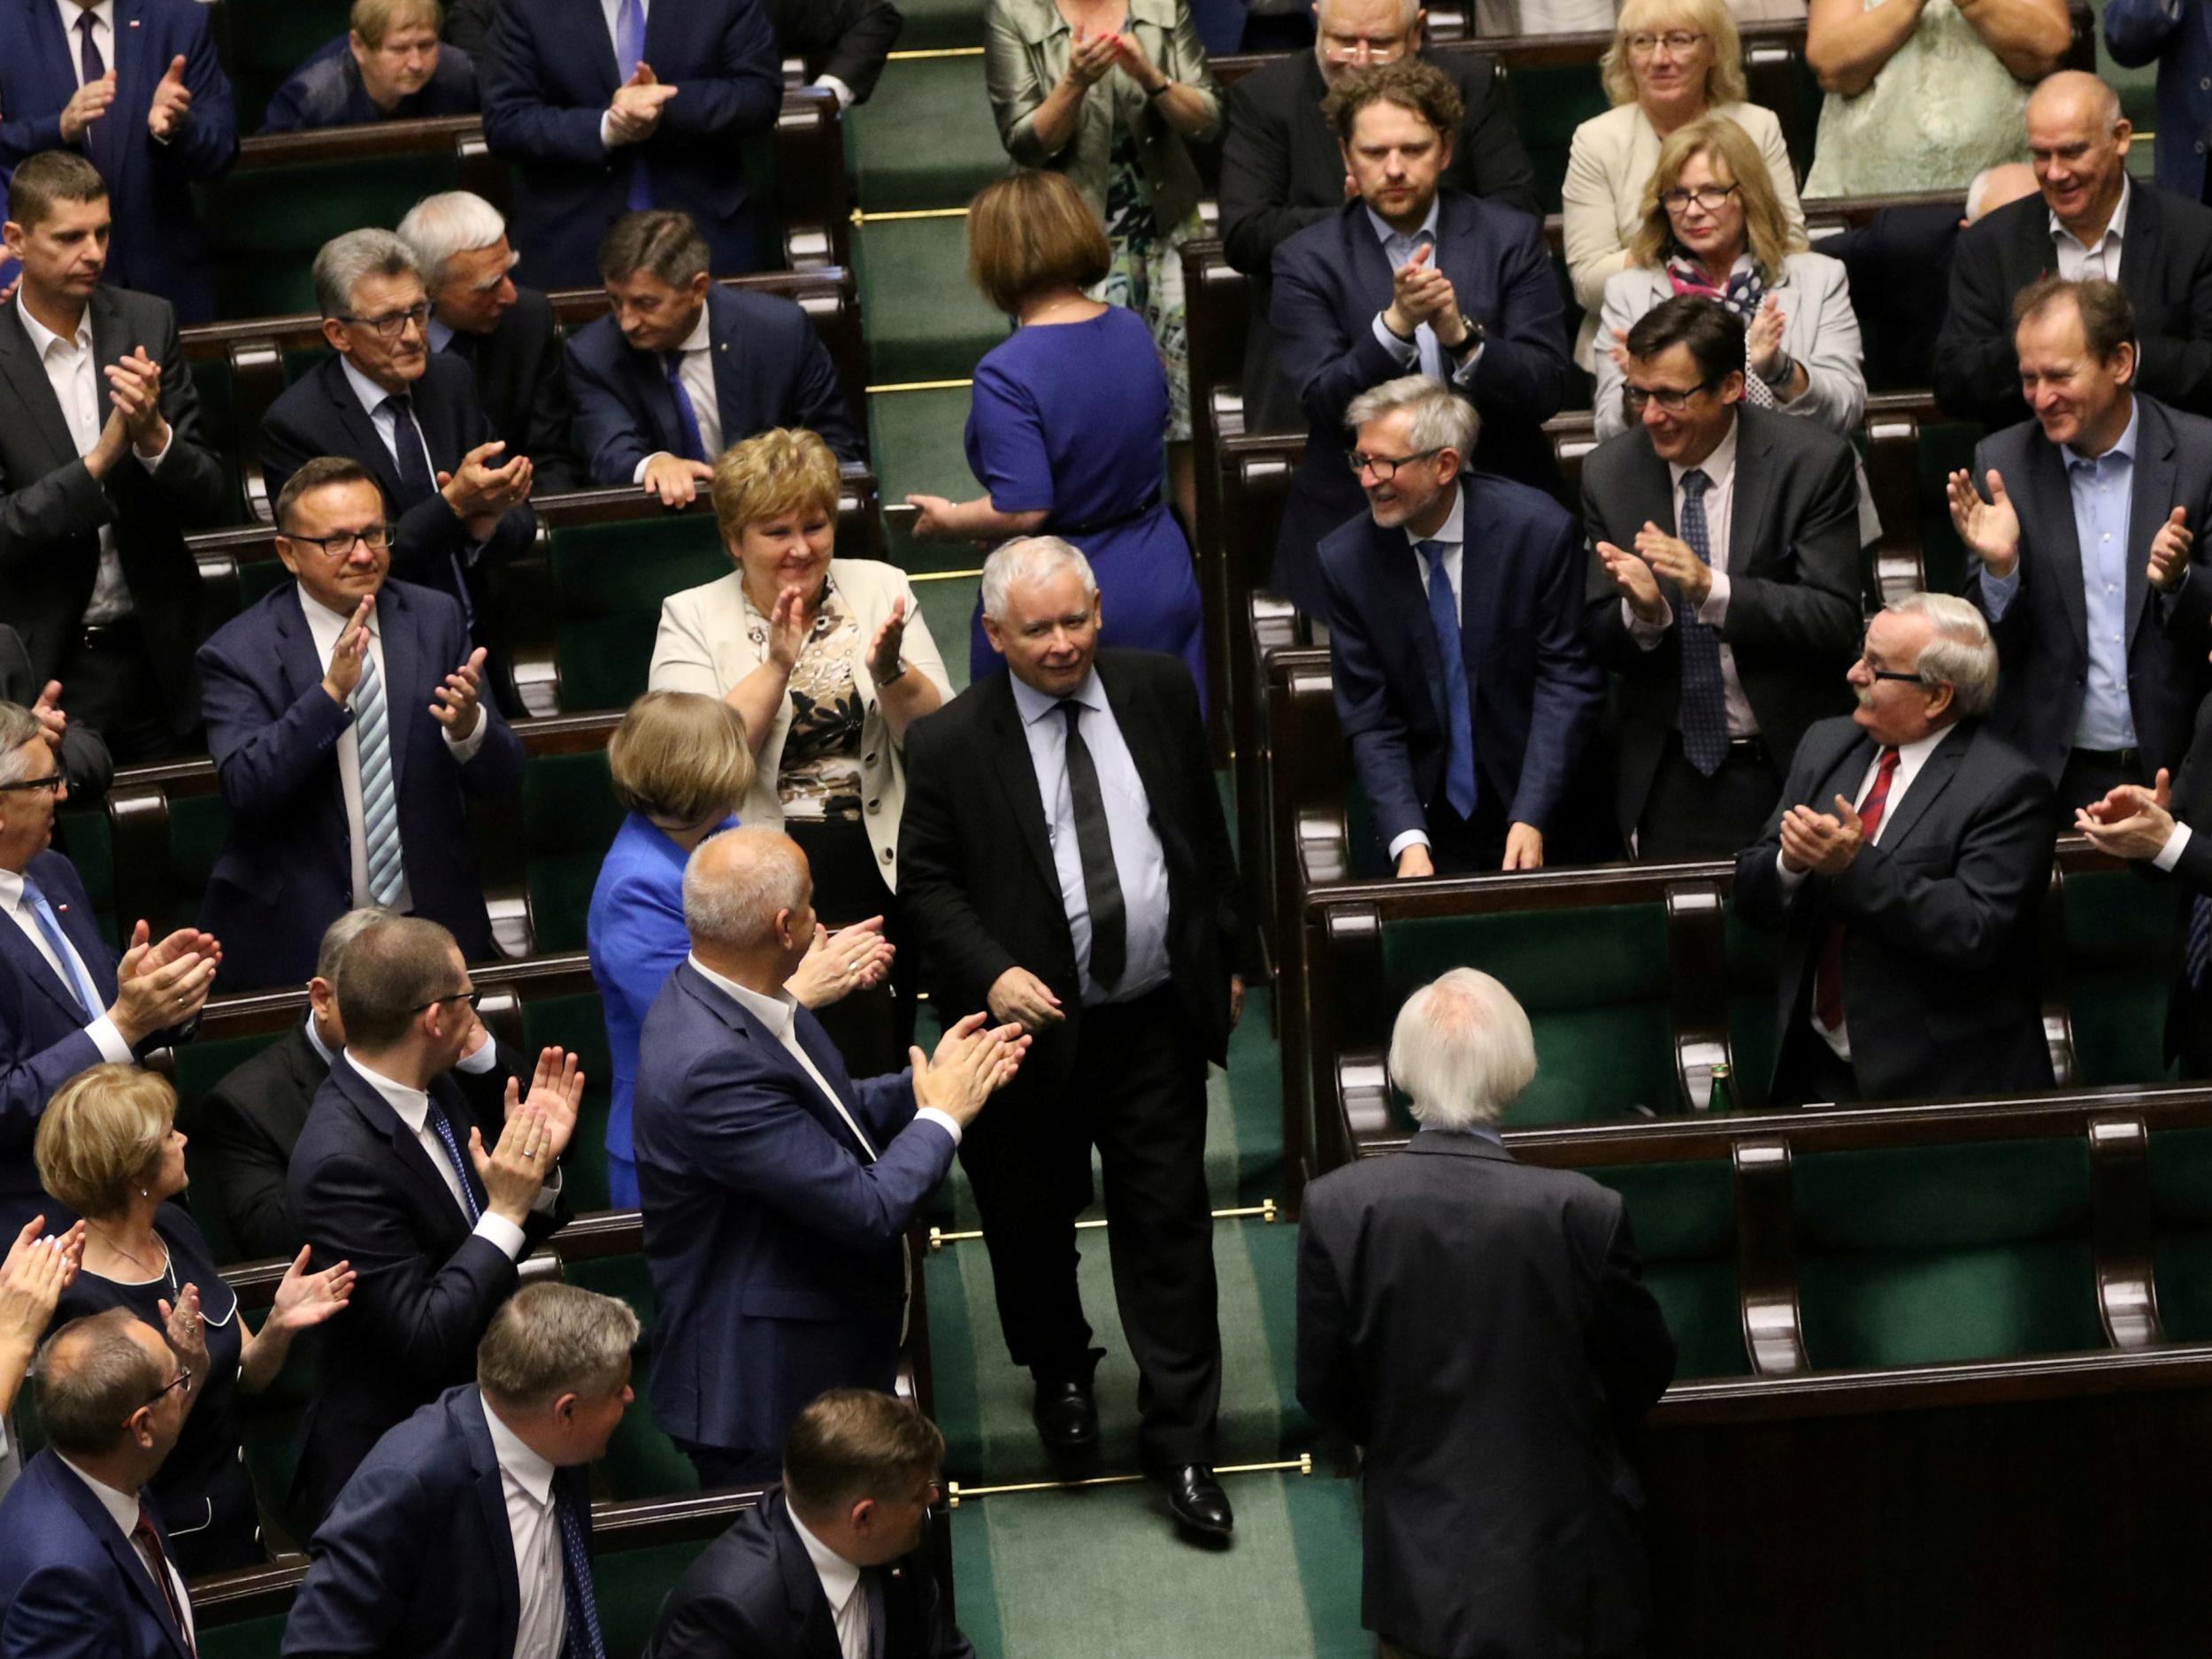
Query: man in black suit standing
[[1281, 168], [102, 471], [1904, 869], [2090, 220], [503, 331], [831, 1563], [1063, 859], [843, 44], [1513, 1295]]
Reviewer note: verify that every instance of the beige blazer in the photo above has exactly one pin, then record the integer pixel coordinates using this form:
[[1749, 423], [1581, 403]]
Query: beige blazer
[[704, 646], [1607, 167]]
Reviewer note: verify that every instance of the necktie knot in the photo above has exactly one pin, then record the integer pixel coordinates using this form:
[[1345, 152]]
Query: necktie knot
[[1434, 552], [1695, 483], [402, 404]]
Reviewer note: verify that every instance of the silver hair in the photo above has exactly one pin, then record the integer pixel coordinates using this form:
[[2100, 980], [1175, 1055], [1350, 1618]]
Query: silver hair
[[1409, 12], [342, 933], [551, 1339], [1962, 654], [762, 873], [17, 726], [1461, 1050], [439, 226], [1441, 420], [1030, 558], [345, 260]]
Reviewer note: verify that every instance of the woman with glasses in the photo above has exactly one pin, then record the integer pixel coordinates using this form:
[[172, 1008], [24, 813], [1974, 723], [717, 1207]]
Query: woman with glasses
[[1673, 62], [109, 1148], [1924, 94]]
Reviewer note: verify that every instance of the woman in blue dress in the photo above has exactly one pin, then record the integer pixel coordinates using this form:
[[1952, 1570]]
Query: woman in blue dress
[[1068, 428]]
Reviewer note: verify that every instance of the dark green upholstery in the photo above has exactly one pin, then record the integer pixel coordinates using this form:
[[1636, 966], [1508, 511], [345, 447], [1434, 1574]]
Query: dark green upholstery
[[198, 824], [1549, 102], [576, 1023], [641, 1462], [631, 1585], [1932, 1255], [2181, 1197], [1684, 1216], [218, 422], [2120, 932], [249, 1639], [1945, 446], [570, 815], [263, 42], [82, 833], [609, 580], [1753, 967]]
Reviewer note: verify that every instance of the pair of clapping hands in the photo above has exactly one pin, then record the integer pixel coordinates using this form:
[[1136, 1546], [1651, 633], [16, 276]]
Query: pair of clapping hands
[[1990, 530], [457, 707]]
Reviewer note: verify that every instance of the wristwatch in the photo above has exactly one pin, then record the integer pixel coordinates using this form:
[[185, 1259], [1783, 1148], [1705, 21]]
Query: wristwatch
[[1474, 338], [894, 676]]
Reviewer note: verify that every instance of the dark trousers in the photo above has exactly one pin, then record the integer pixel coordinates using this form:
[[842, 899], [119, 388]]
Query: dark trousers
[[871, 1029], [1809, 1070], [1137, 1091], [2091, 774], [110, 686], [732, 1466], [1688, 815]]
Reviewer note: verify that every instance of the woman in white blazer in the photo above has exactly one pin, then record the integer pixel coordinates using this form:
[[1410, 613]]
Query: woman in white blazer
[[1672, 62]]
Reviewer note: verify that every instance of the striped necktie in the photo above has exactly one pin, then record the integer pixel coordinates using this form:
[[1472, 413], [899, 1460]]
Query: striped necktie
[[584, 1639], [380, 800]]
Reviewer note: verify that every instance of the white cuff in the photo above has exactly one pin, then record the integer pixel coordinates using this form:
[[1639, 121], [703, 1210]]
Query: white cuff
[[1998, 592], [502, 1234], [1647, 634], [1407, 351], [1714, 611], [843, 93], [930, 1115], [1405, 839], [548, 1195], [1463, 373], [2169, 855], [483, 1060], [1791, 879], [152, 462], [109, 1042], [606, 131], [638, 476], [463, 751]]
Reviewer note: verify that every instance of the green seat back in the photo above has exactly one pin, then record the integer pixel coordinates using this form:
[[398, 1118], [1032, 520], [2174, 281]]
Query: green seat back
[[1550, 101], [2120, 931], [1754, 966], [1684, 1216], [202, 1063], [576, 1023], [1946, 447], [83, 834], [2181, 1198], [249, 1638], [570, 815], [263, 226], [1931, 1255], [609, 580], [219, 419], [631, 1584], [198, 825], [264, 41], [641, 1462]]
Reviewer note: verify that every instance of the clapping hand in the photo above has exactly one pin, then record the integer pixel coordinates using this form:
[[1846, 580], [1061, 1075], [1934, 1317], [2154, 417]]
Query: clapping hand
[[836, 964], [343, 675], [970, 1064], [172, 101], [1091, 57], [1990, 529], [305, 1299], [53, 725], [883, 650], [164, 986], [1672, 557], [1632, 579], [1129, 58], [557, 1093], [32, 1278], [2130, 822], [1763, 343], [480, 491], [1420, 292], [134, 393], [88, 103], [789, 622], [1815, 843], [458, 708], [636, 113], [186, 1332], [2170, 551]]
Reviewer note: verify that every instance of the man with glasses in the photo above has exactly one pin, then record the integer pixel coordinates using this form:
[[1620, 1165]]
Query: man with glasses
[[434, 1205], [346, 717], [1905, 867], [411, 417], [1725, 584]]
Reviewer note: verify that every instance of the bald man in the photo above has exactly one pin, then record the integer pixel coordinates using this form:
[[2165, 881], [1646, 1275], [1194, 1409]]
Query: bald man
[[2090, 220], [776, 1190]]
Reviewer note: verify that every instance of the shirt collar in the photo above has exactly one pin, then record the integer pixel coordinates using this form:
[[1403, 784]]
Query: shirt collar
[[532, 1472], [840, 1577], [10, 890], [70, 12], [1720, 467], [1033, 704], [2124, 449], [776, 1012], [2115, 230], [315, 1041], [122, 1507], [368, 391], [1910, 754], [42, 338], [702, 334], [1383, 233], [1453, 531], [440, 333], [411, 1104], [324, 624]]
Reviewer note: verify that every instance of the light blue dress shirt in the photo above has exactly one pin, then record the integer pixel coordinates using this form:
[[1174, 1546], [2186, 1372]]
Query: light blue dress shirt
[[1425, 348], [1138, 859]]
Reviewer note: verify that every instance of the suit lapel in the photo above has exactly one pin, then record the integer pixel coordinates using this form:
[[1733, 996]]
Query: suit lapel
[[726, 355], [741, 1018], [1747, 511], [656, 397], [2151, 499], [466, 1411], [1017, 775], [2052, 503], [816, 1043], [299, 664], [1323, 157], [20, 366], [375, 1111], [1398, 573], [80, 930], [1934, 777], [2142, 248], [131, 1565], [31, 967], [108, 343], [361, 433], [810, 1608], [1148, 752]]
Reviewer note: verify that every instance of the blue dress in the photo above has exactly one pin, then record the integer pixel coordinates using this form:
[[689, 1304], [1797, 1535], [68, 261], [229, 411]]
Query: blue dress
[[1072, 419]]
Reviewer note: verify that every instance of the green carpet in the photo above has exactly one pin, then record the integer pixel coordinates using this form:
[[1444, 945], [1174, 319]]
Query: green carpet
[[925, 321], [927, 139]]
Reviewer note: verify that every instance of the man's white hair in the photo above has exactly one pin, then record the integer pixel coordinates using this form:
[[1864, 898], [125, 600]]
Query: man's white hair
[[439, 226], [1461, 1050], [1962, 652], [1408, 11], [1441, 420], [756, 874], [1030, 558]]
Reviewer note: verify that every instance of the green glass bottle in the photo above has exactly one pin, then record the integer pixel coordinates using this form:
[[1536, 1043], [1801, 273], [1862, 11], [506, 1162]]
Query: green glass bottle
[[1722, 1100]]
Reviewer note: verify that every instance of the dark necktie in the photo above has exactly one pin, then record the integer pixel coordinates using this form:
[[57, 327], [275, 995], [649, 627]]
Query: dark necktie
[[1102, 882], [1828, 978], [442, 1126], [584, 1639], [687, 415], [100, 135], [148, 1538], [629, 51], [2198, 953], [417, 486], [1703, 711], [1459, 718]]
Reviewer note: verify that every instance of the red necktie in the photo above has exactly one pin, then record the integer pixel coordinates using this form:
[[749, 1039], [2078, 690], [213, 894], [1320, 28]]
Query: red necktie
[[149, 1542], [1828, 978]]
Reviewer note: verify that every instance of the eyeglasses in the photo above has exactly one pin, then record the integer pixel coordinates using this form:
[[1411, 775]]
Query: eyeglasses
[[393, 325], [1873, 672], [1364, 51], [1710, 199], [1666, 397], [473, 998], [182, 1380], [1676, 42], [375, 537], [51, 780], [1385, 467]]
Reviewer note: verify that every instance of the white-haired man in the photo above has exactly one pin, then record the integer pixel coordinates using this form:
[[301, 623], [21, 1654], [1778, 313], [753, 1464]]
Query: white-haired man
[[1481, 1327], [1903, 868]]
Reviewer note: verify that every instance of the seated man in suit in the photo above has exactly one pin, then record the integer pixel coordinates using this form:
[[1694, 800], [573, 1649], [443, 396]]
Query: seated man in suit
[[409, 415], [102, 471], [681, 369], [505, 332], [390, 66], [833, 1563], [345, 717], [2085, 543], [1410, 277], [607, 108], [85, 1564], [1480, 1326], [434, 1205], [1454, 643], [776, 1191], [466, 1534], [1282, 170], [86, 766], [2090, 220], [1725, 584], [66, 1000], [1904, 868], [843, 44], [144, 99]]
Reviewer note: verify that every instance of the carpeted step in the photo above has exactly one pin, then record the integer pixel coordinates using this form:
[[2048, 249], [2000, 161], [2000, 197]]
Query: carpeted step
[[916, 438], [927, 138], [923, 321]]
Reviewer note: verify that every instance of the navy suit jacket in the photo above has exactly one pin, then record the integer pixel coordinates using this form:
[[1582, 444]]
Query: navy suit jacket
[[416, 1560], [1536, 692], [319, 414], [771, 369], [1331, 279], [158, 245], [328, 91], [552, 77], [72, 1586], [776, 1244], [286, 871]]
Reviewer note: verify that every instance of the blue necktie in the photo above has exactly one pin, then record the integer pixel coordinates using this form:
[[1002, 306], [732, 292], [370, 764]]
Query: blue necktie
[[584, 1639], [1703, 711], [2197, 955], [629, 52], [1459, 763], [686, 414], [443, 1127], [380, 800], [72, 978]]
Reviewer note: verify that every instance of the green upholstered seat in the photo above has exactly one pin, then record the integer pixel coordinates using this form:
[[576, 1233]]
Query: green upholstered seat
[[641, 1462], [218, 417], [631, 1584], [2181, 1191], [609, 581], [1549, 102], [1754, 964], [248, 1638], [571, 817], [82, 833], [1931, 1255], [2120, 932], [198, 824], [263, 42], [1684, 1216], [576, 1023]]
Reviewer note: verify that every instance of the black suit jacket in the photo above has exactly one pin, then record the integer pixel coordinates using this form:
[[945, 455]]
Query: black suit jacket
[[522, 382], [2165, 267], [846, 38], [2044, 637], [1900, 263], [1795, 573], [84, 755], [1502, 1520], [52, 509], [976, 874], [426, 1285], [2189, 1012], [1282, 170], [1942, 992]]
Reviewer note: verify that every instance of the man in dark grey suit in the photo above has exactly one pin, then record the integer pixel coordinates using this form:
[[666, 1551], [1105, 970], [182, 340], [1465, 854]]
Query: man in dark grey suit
[[1904, 869], [1480, 1326]]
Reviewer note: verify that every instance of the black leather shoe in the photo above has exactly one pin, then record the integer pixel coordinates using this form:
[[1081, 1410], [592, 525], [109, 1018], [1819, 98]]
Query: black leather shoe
[[1066, 1413], [1197, 1501]]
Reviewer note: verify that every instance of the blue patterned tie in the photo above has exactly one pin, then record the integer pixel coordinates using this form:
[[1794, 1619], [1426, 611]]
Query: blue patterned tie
[[1703, 713], [629, 52], [72, 979], [2197, 955], [584, 1639], [1459, 763], [380, 800], [687, 413], [442, 1126]]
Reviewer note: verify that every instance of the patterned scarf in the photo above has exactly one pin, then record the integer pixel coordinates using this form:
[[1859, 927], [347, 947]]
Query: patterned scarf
[[1743, 295]]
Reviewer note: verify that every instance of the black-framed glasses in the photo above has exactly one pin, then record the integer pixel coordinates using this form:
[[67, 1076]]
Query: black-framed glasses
[[52, 780], [1710, 198], [1873, 672], [375, 537], [471, 997], [1676, 41], [182, 1380], [393, 325], [1385, 467], [1666, 397]]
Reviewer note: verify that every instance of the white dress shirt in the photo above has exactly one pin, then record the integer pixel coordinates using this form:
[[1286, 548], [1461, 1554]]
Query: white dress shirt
[[102, 36], [1720, 501], [534, 1525], [73, 974], [841, 1587], [2100, 258], [122, 1507], [413, 1107], [326, 625], [385, 420], [697, 372], [1453, 534]]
